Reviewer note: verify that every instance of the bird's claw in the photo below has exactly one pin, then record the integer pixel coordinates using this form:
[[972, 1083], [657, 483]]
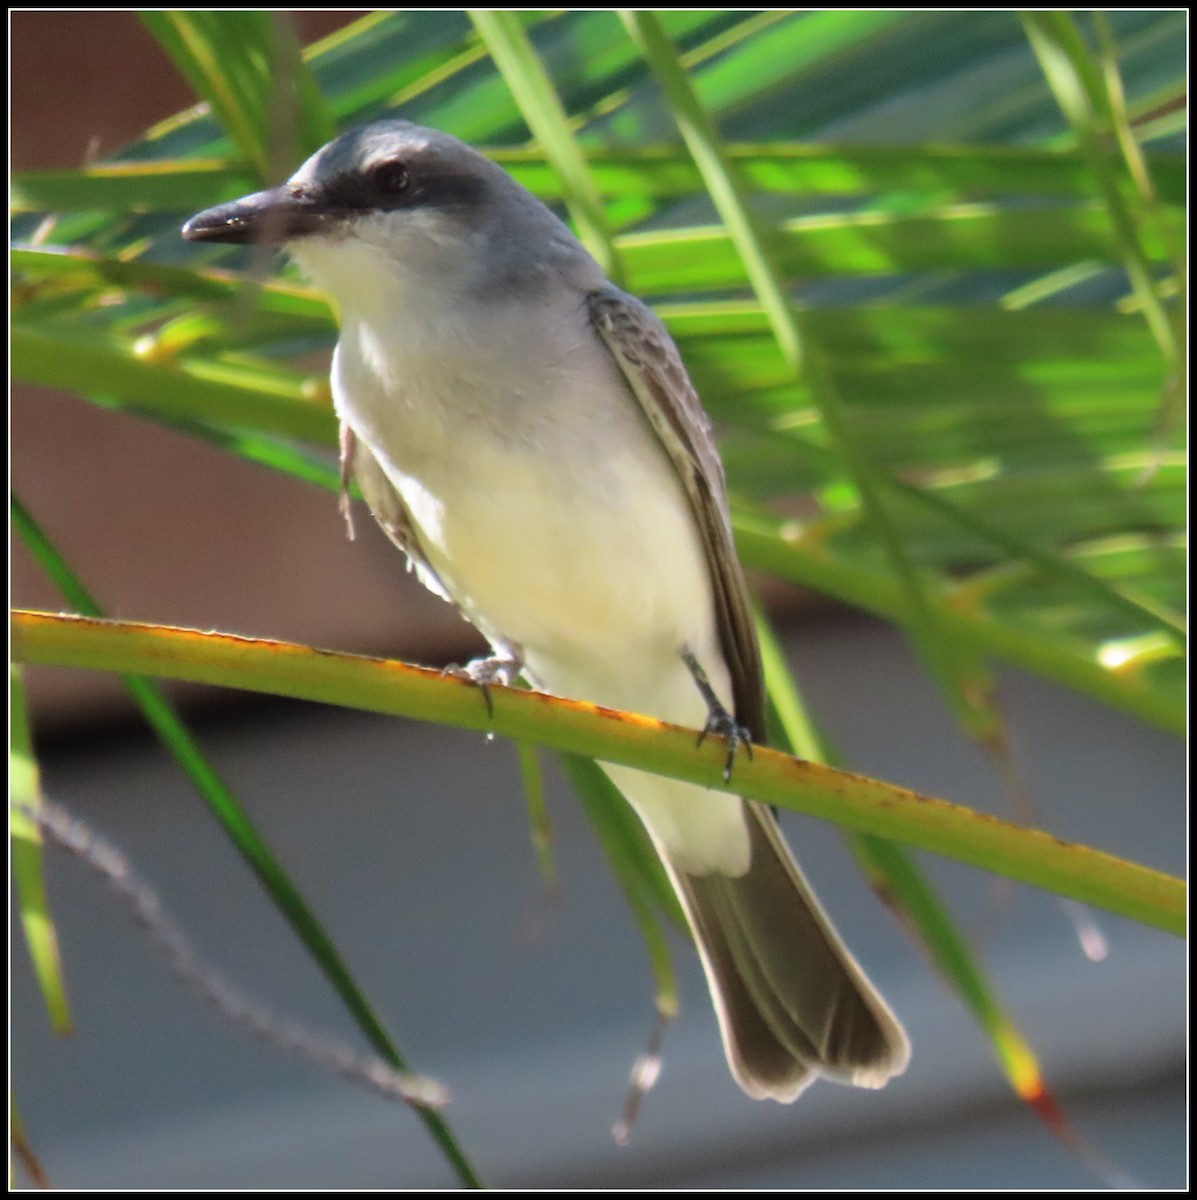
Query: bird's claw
[[484, 672], [719, 720]]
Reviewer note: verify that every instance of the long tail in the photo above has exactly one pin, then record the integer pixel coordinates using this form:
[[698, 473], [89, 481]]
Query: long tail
[[793, 1003]]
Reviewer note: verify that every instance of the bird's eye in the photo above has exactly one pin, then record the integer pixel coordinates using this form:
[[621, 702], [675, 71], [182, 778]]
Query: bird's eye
[[390, 178]]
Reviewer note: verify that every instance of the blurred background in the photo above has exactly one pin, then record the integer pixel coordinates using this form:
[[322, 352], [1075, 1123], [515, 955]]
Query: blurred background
[[411, 841]]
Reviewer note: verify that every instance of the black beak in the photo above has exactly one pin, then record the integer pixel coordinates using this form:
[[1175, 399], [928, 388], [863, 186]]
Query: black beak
[[269, 218]]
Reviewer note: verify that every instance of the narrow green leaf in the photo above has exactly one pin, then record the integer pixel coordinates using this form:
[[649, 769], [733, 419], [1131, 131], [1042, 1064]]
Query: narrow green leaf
[[541, 107], [1138, 164], [385, 56], [965, 508], [755, 68], [955, 960], [1076, 81], [160, 715], [32, 265], [248, 67], [581, 54], [632, 172], [177, 186], [236, 87], [538, 813], [1172, 625], [23, 1151], [77, 360], [957, 237], [636, 867], [27, 865], [781, 548], [867, 805]]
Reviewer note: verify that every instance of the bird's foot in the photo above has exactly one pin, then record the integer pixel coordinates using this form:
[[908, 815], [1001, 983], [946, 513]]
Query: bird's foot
[[719, 720], [500, 668]]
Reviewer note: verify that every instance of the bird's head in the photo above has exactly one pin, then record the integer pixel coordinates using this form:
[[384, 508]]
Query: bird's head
[[396, 206]]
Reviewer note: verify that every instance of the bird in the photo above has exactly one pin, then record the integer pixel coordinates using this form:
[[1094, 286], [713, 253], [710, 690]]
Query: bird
[[526, 432]]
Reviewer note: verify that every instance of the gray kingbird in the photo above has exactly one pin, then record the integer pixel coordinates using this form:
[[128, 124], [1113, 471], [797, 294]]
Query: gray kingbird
[[527, 434]]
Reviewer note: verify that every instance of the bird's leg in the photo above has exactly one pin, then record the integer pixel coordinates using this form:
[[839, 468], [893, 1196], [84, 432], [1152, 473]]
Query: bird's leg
[[719, 720], [501, 667]]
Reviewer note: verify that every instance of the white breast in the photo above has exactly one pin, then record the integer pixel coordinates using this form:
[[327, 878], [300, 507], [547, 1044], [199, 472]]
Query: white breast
[[543, 499]]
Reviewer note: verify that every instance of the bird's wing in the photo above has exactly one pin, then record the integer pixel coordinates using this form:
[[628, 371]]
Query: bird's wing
[[650, 362], [386, 505]]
